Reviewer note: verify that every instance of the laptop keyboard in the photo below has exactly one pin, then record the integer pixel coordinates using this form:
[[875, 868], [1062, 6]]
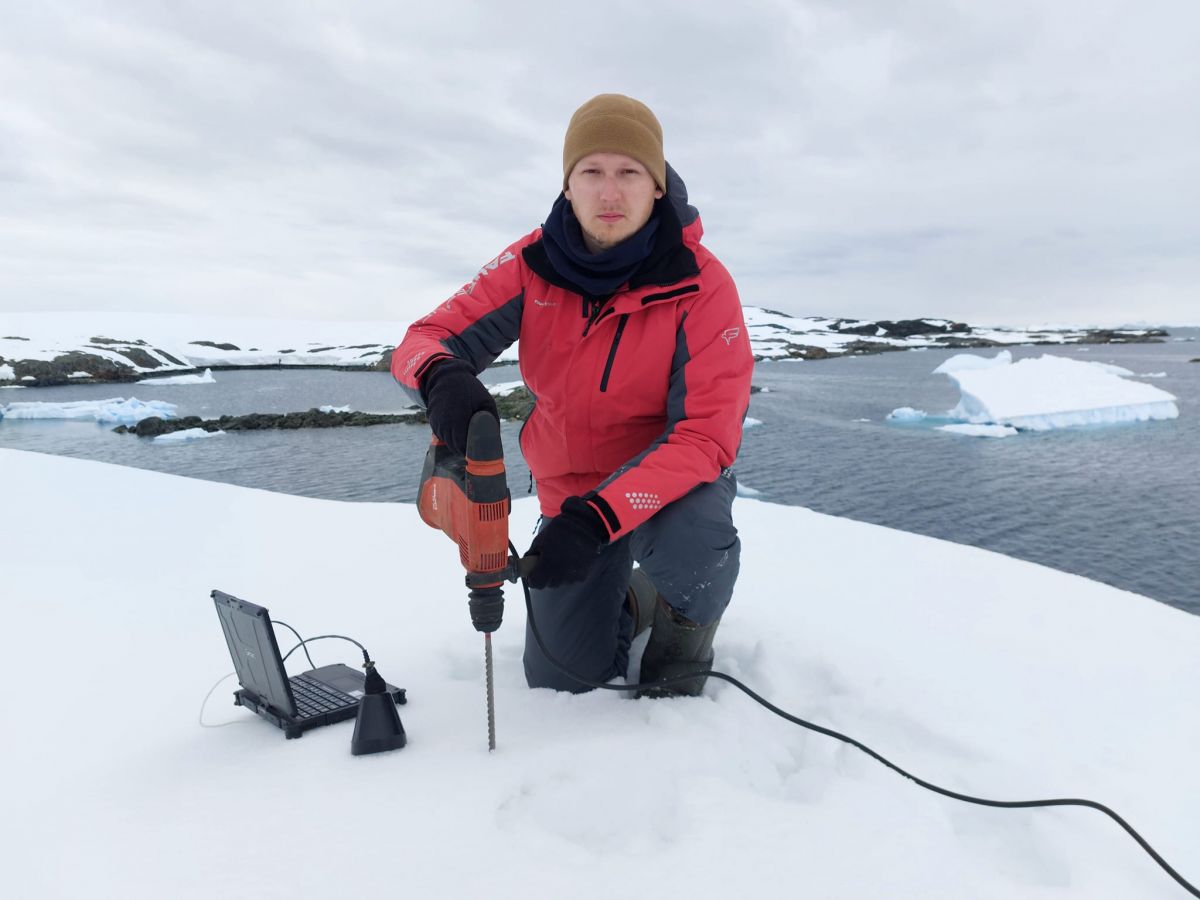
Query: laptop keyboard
[[314, 697]]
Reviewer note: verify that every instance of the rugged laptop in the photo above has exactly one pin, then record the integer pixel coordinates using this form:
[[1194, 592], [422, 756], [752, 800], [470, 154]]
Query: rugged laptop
[[318, 697]]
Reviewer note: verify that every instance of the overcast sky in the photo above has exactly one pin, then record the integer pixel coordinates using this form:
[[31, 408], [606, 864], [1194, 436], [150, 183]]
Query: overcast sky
[[995, 161]]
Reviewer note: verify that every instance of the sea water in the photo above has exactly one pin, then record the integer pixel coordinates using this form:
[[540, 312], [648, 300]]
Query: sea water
[[1119, 504]]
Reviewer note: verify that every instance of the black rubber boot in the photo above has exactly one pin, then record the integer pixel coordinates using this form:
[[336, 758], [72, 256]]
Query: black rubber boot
[[677, 646], [641, 599]]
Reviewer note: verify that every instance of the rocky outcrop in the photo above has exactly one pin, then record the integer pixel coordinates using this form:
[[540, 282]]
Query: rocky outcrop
[[902, 329], [517, 404], [313, 418], [1108, 336], [215, 346], [61, 369]]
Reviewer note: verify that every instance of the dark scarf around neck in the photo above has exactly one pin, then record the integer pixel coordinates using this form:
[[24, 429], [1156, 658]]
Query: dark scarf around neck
[[595, 274]]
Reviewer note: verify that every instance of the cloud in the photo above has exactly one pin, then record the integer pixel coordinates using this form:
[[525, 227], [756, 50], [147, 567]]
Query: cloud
[[986, 162]]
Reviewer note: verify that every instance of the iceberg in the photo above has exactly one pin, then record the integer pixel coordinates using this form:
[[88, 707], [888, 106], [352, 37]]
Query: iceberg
[[7, 373], [116, 411], [206, 378], [1046, 392]]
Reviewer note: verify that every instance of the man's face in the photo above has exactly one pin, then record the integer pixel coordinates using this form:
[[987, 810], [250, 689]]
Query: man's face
[[612, 196]]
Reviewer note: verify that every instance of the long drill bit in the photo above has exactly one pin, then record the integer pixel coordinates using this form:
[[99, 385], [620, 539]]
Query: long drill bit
[[491, 699]]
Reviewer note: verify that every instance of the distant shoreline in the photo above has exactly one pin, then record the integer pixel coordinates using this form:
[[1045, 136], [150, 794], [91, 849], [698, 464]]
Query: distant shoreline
[[27, 361]]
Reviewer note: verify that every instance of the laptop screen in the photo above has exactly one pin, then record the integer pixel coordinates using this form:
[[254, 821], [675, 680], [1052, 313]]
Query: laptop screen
[[255, 653]]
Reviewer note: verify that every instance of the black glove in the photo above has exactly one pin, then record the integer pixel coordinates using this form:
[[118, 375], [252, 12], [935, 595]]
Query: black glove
[[452, 395], [568, 546]]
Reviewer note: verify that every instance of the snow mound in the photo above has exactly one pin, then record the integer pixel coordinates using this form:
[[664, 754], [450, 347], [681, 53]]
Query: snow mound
[[206, 378], [334, 409], [117, 411], [7, 373], [1048, 392]]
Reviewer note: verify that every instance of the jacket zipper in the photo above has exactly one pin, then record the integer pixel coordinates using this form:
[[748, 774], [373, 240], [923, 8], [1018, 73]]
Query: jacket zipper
[[612, 353]]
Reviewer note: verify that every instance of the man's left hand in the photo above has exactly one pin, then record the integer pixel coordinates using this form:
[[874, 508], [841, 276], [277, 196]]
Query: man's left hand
[[568, 546]]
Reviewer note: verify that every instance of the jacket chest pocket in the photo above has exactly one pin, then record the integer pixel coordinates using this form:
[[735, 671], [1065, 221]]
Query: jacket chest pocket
[[612, 352]]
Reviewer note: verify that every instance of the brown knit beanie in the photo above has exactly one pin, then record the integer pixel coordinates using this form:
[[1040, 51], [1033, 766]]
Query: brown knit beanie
[[614, 123]]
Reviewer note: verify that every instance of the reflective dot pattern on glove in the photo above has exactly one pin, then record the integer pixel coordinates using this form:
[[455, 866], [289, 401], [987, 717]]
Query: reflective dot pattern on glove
[[643, 500]]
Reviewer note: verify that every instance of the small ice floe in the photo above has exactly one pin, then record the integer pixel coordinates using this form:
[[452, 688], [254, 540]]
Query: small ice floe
[[188, 434], [1151, 375], [117, 411], [991, 431], [905, 414], [747, 491], [748, 422], [206, 378], [334, 409]]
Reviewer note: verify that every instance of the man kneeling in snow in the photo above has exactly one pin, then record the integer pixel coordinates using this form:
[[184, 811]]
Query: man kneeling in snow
[[633, 344]]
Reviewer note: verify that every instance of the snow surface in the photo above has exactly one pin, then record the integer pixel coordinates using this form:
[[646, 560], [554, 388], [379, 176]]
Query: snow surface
[[334, 409], [187, 434], [978, 672], [206, 378], [7, 373], [117, 411]]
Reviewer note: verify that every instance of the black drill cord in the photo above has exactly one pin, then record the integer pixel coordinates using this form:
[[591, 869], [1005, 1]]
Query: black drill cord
[[828, 732]]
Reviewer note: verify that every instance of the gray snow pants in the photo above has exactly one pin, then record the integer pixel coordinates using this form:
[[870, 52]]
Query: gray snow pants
[[690, 550]]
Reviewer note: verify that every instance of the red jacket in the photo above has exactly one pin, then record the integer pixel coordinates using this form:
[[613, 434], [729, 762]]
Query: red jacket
[[639, 398]]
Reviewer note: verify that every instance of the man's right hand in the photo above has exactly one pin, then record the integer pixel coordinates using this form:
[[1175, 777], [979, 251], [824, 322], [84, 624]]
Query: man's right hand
[[452, 395]]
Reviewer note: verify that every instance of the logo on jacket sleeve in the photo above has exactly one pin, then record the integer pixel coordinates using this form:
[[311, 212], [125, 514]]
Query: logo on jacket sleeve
[[729, 334], [643, 500]]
